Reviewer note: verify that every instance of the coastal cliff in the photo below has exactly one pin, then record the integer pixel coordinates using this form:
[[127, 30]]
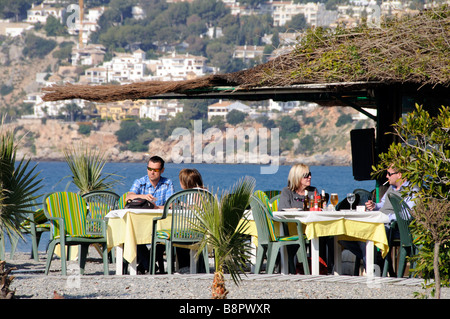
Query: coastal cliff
[[46, 141]]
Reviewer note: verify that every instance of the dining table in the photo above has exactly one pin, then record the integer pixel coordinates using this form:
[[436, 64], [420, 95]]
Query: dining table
[[127, 228], [367, 226]]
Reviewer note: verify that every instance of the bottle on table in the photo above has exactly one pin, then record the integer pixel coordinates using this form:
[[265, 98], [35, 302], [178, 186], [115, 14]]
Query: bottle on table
[[323, 204], [306, 201], [316, 201]]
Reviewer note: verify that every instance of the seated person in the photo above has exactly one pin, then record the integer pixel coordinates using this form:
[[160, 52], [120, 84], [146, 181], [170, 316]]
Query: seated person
[[396, 186], [189, 178], [299, 181], [157, 189], [292, 196]]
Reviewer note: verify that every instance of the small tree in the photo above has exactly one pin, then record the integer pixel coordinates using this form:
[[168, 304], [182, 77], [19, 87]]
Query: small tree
[[423, 158], [224, 223], [235, 117]]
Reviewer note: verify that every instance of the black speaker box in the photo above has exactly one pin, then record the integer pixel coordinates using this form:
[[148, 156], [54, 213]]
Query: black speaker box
[[363, 153]]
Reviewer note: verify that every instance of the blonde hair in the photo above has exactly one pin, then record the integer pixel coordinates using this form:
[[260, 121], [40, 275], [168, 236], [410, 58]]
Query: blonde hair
[[190, 178], [297, 172]]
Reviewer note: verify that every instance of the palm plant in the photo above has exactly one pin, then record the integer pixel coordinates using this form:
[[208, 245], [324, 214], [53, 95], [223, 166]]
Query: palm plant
[[224, 223], [87, 166], [18, 185]]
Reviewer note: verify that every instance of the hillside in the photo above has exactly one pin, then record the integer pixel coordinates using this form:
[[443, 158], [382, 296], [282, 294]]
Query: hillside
[[19, 72], [329, 144]]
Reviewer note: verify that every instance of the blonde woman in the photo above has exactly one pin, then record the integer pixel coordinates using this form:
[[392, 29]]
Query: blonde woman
[[299, 181]]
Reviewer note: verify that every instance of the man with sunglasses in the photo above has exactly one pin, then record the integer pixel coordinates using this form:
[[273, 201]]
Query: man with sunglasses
[[396, 186], [153, 187], [157, 189]]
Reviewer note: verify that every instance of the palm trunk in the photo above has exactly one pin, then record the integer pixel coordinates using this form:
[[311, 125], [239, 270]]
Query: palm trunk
[[437, 278], [218, 287], [5, 282]]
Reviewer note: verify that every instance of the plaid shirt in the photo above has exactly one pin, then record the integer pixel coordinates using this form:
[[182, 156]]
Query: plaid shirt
[[162, 191]]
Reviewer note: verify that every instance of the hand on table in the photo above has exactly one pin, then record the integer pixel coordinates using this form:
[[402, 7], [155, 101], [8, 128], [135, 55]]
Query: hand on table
[[150, 198], [370, 205]]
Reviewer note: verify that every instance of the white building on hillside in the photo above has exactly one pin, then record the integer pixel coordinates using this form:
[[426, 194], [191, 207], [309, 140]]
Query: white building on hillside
[[158, 110], [248, 52], [222, 108], [53, 108], [95, 75], [40, 13], [88, 25], [178, 67], [92, 54], [124, 67], [316, 14]]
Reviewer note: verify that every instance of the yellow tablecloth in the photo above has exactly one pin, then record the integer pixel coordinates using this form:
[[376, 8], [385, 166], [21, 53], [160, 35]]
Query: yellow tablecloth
[[132, 230], [251, 231], [350, 230]]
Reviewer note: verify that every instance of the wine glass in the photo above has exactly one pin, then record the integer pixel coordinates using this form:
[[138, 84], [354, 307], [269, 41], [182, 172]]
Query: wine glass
[[334, 199], [351, 199]]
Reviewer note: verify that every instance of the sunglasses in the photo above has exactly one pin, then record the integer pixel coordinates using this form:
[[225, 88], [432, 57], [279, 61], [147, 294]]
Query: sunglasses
[[307, 175], [390, 174], [157, 170]]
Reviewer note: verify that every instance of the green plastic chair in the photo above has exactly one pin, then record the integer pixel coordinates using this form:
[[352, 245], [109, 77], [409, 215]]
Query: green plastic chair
[[407, 248], [67, 213], [268, 243], [272, 193], [35, 225], [100, 203], [182, 231], [122, 201], [274, 202]]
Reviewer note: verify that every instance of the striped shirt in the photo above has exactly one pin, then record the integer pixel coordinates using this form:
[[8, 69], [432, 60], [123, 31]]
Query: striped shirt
[[162, 191]]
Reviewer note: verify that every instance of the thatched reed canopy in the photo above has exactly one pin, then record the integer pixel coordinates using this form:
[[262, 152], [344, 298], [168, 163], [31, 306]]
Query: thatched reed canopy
[[412, 51]]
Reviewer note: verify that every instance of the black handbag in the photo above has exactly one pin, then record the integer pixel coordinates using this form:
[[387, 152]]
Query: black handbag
[[139, 203]]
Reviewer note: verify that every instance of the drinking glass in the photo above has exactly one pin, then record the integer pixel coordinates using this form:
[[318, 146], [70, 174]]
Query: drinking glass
[[334, 199], [351, 199]]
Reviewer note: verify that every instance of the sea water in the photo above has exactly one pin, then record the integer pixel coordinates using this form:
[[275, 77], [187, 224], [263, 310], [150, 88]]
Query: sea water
[[56, 176]]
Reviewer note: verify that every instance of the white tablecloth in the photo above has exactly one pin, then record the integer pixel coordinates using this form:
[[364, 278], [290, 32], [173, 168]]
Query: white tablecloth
[[311, 216], [119, 213], [349, 221]]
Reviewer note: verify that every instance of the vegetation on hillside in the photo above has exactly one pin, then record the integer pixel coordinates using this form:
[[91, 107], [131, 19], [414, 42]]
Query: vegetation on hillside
[[304, 133]]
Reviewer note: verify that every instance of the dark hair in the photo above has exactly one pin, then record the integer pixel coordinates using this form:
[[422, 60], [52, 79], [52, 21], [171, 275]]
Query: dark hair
[[190, 178], [157, 159]]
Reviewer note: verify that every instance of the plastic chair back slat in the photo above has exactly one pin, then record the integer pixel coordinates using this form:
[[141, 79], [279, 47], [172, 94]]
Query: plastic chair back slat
[[403, 217], [184, 218], [101, 203], [71, 207], [266, 209]]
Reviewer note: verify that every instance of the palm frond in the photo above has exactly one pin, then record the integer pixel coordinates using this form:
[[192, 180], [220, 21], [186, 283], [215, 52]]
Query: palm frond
[[19, 184], [223, 223], [87, 167]]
